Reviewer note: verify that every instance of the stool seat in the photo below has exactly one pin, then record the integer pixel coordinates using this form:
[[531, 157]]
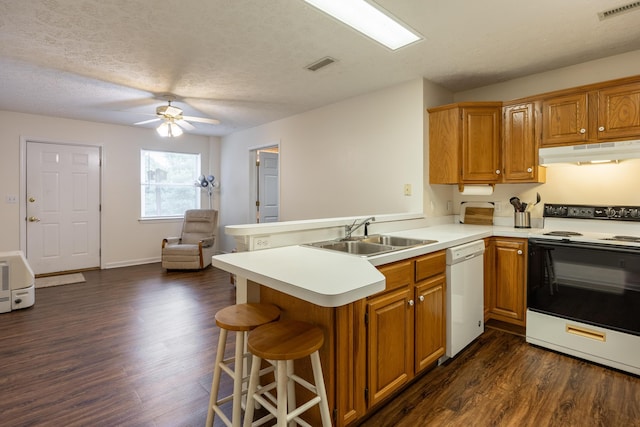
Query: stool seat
[[245, 317], [285, 340]]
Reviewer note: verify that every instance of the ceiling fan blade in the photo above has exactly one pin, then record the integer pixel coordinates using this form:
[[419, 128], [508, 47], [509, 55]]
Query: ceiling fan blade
[[202, 120], [147, 121], [185, 124]]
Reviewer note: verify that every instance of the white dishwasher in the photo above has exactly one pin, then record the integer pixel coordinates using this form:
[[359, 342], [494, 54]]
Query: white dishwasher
[[465, 296]]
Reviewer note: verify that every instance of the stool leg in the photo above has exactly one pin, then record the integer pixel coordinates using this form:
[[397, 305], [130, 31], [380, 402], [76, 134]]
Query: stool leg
[[215, 385], [291, 391], [282, 392], [322, 391], [254, 377], [238, 370]]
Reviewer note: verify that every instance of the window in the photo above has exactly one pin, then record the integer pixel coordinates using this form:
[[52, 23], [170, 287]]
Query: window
[[167, 183]]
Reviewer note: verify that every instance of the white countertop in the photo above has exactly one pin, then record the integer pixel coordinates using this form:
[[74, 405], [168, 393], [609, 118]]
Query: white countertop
[[331, 279]]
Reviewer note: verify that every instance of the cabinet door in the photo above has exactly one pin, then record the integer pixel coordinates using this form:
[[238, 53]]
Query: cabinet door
[[619, 112], [519, 148], [564, 120], [508, 295], [430, 336], [350, 363], [390, 343], [481, 128]]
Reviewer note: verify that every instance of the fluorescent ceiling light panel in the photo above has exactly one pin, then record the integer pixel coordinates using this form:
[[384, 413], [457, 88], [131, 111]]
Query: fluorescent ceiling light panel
[[369, 20]]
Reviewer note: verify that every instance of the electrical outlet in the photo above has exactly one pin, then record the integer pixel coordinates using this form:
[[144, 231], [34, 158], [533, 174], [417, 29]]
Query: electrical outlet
[[498, 206], [449, 205], [407, 189], [262, 242], [11, 198]]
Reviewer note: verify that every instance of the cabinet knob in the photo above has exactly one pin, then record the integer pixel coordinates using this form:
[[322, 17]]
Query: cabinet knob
[[601, 128], [421, 298], [583, 130], [519, 252], [529, 170], [411, 303], [497, 171]]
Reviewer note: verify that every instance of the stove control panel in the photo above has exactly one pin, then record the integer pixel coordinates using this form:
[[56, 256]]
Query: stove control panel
[[624, 213]]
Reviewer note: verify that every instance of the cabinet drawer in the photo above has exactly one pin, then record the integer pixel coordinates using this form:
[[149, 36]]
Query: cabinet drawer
[[430, 265], [397, 274]]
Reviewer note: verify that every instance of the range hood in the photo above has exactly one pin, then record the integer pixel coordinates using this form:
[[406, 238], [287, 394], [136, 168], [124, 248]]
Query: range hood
[[591, 153]]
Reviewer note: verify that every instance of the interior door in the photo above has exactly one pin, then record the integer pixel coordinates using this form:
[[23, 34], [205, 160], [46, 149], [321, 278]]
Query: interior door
[[63, 207], [269, 197]]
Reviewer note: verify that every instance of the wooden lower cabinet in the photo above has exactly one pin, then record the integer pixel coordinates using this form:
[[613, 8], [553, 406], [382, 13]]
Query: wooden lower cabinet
[[430, 326], [390, 343], [505, 279], [405, 325], [375, 346]]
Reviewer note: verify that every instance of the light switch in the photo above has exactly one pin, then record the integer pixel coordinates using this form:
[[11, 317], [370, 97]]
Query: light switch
[[11, 198], [407, 189]]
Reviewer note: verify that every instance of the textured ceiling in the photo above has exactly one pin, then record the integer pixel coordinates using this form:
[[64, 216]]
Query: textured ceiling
[[243, 61]]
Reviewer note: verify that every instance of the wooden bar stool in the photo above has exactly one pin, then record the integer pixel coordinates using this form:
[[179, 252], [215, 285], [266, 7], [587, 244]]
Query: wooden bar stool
[[281, 343], [240, 318]]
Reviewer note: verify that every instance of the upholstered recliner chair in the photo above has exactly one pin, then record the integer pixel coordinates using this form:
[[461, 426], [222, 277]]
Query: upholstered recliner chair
[[194, 249]]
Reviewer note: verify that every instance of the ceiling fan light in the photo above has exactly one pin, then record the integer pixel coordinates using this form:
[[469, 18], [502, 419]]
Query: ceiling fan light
[[174, 129], [163, 129], [169, 129]]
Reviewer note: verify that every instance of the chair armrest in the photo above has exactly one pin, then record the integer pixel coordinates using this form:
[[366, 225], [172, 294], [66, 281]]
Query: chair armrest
[[207, 242], [170, 240]]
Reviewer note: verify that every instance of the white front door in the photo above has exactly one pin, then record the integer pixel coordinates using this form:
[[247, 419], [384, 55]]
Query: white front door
[[63, 207], [268, 178]]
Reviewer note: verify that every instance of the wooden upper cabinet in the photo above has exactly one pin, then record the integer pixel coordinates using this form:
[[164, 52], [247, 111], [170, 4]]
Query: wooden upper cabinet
[[618, 112], [564, 120], [519, 144], [608, 111], [481, 144], [464, 143]]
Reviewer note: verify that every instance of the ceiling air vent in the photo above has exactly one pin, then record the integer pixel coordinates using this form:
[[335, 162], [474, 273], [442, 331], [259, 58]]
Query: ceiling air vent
[[320, 64], [619, 10]]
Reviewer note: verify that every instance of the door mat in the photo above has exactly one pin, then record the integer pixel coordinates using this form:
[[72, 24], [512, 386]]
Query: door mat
[[64, 279]]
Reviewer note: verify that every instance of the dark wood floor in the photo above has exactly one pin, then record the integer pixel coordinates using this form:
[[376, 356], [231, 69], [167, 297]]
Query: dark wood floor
[[135, 347]]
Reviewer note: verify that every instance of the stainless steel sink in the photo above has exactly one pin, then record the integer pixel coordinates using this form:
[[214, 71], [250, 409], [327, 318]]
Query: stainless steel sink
[[371, 245], [357, 247], [395, 240]]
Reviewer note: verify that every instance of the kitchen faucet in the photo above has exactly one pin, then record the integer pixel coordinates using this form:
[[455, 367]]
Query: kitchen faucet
[[349, 229]]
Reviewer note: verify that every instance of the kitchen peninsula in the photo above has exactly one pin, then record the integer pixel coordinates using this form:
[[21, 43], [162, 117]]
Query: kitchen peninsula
[[365, 305]]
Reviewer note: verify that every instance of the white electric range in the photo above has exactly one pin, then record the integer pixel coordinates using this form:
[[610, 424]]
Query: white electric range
[[583, 287]]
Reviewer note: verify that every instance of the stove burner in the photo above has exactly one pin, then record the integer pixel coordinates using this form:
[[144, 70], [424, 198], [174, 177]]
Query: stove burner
[[633, 239], [562, 233]]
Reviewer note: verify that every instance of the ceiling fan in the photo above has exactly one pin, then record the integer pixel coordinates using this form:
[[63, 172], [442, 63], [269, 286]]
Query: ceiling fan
[[173, 121]]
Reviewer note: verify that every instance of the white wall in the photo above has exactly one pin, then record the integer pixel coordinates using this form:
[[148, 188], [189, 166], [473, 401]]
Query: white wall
[[347, 159], [125, 240]]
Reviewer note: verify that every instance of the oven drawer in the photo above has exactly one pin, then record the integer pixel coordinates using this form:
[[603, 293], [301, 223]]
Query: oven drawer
[[607, 347]]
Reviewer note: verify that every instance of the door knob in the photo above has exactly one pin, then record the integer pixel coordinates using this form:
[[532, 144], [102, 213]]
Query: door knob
[[31, 199], [34, 219]]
